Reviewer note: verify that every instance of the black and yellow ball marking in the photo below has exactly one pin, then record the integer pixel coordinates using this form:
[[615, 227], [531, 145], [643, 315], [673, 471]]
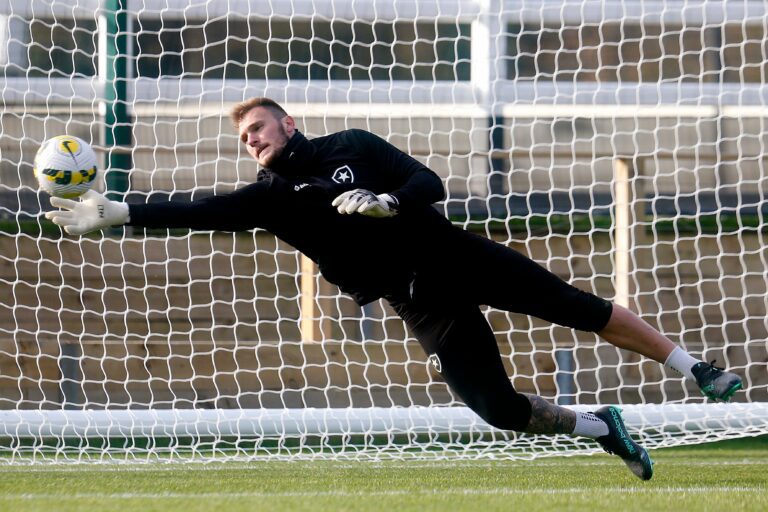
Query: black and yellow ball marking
[[69, 145], [70, 177]]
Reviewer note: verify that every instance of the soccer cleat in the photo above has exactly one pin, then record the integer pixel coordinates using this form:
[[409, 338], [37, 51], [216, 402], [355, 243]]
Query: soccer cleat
[[714, 382], [618, 442]]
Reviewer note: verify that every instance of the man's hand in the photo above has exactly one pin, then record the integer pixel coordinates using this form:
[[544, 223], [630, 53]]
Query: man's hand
[[367, 203], [92, 212]]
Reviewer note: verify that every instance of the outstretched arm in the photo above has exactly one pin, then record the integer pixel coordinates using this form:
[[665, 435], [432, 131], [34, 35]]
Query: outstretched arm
[[237, 211]]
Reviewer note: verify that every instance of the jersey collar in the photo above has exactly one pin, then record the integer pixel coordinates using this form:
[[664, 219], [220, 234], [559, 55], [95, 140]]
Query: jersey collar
[[296, 158]]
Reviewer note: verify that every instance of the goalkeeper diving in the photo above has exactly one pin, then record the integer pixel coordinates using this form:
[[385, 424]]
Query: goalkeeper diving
[[362, 210]]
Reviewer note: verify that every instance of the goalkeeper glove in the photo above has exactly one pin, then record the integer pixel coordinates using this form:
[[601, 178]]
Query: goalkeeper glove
[[92, 212], [367, 203]]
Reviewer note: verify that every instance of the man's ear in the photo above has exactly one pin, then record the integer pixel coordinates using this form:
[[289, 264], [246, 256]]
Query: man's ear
[[289, 125]]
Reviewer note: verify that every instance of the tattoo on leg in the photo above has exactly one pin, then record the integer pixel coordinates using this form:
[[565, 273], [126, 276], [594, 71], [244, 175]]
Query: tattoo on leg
[[548, 418]]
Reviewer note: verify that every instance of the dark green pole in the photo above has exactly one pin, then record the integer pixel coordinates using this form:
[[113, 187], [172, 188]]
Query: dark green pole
[[117, 121]]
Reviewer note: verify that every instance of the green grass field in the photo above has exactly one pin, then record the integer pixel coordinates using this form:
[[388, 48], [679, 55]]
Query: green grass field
[[721, 477]]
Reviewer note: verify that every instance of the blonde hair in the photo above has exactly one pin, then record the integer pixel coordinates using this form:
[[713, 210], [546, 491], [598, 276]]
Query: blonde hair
[[238, 112]]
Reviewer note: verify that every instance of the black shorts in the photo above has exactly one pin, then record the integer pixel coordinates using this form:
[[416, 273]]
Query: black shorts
[[475, 271], [442, 310]]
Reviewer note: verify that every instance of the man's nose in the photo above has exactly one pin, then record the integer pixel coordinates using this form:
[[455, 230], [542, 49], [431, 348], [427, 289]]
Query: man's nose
[[253, 140]]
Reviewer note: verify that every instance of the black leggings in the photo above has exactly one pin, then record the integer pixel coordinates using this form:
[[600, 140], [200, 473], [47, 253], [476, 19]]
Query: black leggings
[[442, 310]]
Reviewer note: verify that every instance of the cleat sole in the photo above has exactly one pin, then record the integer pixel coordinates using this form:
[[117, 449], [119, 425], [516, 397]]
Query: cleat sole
[[725, 396], [728, 394]]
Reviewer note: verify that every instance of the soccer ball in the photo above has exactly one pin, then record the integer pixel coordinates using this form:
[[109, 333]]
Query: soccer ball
[[65, 166]]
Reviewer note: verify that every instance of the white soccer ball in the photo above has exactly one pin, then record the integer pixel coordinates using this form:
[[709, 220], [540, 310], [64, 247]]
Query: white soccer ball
[[65, 166]]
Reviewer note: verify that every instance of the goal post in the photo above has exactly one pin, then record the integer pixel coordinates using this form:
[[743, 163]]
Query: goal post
[[620, 144]]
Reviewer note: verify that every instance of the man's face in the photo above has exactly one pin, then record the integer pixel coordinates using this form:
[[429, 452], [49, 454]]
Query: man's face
[[264, 135]]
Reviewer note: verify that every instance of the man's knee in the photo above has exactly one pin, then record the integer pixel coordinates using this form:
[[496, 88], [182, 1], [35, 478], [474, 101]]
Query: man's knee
[[580, 310], [508, 411]]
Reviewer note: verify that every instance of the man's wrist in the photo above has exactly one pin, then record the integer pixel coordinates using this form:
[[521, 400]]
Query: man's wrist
[[124, 212]]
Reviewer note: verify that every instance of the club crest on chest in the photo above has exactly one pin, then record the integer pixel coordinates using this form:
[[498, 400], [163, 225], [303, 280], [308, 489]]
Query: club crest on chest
[[343, 175]]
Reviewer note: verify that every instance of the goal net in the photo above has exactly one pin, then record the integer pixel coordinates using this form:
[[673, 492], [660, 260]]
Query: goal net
[[620, 144]]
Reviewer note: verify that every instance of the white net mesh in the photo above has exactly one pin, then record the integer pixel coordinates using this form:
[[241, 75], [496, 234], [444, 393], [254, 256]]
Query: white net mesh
[[620, 144]]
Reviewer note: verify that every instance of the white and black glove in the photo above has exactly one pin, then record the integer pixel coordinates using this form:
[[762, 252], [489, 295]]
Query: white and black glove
[[93, 211], [367, 203]]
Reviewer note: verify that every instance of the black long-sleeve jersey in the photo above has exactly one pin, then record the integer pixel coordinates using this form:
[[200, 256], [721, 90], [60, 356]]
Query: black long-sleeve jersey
[[366, 257]]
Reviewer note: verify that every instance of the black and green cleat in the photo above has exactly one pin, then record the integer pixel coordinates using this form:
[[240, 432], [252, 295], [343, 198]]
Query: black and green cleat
[[716, 383], [619, 442]]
